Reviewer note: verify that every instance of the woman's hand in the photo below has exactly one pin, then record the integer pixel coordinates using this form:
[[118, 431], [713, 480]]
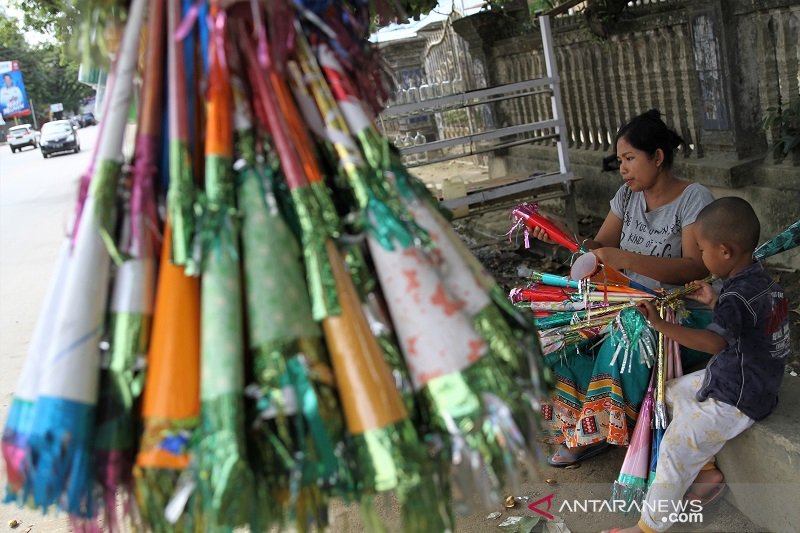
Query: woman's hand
[[542, 235], [612, 257], [704, 293]]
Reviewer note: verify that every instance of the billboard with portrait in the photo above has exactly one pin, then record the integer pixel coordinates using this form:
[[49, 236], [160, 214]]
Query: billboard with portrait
[[13, 100]]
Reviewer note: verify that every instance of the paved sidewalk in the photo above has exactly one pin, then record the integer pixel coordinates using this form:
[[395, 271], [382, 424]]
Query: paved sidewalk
[[590, 482]]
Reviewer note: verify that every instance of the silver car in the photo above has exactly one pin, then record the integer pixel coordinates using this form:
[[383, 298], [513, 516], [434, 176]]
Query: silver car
[[59, 136]]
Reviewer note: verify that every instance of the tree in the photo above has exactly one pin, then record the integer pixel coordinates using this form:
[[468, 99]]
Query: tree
[[49, 77], [47, 16], [602, 16], [82, 28]]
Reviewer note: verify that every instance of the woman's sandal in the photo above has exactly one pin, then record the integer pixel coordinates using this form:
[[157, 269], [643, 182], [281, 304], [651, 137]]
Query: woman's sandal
[[707, 501], [573, 458]]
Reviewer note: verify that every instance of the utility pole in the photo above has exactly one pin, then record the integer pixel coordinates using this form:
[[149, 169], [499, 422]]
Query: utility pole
[[33, 112]]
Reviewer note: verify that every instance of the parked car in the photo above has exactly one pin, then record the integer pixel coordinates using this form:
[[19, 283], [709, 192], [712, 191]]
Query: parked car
[[87, 119], [59, 136], [19, 136]]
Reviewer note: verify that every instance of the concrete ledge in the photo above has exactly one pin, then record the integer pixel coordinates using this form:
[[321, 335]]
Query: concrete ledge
[[719, 172], [762, 465]]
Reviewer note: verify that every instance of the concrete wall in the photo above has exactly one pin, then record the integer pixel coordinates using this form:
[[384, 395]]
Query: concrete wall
[[773, 190], [404, 60]]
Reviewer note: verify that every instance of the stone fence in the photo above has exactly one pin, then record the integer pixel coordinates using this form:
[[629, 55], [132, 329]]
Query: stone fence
[[712, 67]]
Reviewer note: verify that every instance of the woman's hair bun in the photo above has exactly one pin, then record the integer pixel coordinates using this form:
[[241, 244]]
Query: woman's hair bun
[[648, 132], [651, 114]]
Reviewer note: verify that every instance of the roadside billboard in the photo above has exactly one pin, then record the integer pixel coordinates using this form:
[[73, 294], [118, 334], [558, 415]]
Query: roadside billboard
[[13, 100]]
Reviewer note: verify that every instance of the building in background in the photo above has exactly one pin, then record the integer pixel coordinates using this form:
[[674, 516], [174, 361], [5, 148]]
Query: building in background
[[96, 78]]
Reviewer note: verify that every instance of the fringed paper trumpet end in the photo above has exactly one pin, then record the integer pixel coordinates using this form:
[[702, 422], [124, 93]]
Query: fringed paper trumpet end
[[630, 490], [60, 456], [114, 473], [393, 458], [15, 442], [154, 489], [224, 479]]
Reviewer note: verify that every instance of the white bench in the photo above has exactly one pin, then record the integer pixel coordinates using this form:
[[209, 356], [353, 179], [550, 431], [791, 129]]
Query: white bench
[[471, 197]]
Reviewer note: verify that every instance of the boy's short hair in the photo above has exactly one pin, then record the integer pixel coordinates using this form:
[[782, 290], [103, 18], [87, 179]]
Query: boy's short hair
[[730, 220]]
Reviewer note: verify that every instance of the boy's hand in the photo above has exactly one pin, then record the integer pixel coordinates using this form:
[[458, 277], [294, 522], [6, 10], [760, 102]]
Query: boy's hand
[[650, 313], [703, 293]]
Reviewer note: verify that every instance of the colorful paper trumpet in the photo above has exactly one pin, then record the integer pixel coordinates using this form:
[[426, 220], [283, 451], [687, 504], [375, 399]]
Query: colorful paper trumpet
[[530, 216]]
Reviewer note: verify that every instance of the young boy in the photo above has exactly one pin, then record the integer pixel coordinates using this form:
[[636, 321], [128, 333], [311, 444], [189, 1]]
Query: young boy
[[749, 335]]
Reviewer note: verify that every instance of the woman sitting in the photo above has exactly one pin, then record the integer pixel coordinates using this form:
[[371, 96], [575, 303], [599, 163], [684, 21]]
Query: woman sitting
[[649, 234]]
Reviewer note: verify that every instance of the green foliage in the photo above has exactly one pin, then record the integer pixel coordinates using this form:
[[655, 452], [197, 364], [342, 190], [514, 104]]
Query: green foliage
[[414, 8], [602, 16], [784, 123], [386, 11], [82, 28], [537, 6], [49, 78]]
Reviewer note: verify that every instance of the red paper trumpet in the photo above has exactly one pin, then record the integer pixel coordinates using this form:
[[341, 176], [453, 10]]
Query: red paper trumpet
[[530, 216], [540, 293]]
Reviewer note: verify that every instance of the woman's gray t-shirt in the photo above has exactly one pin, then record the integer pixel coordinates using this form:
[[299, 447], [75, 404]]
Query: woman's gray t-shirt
[[657, 232]]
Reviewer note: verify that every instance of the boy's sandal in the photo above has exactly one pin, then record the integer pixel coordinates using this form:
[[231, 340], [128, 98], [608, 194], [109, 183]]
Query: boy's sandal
[[573, 458], [714, 497]]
